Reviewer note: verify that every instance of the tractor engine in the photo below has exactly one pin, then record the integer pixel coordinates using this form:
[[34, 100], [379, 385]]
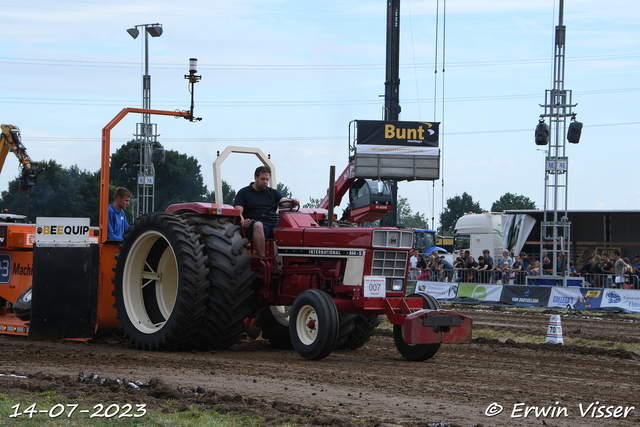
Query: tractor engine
[[340, 261]]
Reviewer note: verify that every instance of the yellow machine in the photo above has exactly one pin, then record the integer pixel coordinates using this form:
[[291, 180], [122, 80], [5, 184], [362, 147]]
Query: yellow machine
[[10, 141]]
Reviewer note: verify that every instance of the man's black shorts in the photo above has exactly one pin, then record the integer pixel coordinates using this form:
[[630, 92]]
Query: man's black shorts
[[268, 229]]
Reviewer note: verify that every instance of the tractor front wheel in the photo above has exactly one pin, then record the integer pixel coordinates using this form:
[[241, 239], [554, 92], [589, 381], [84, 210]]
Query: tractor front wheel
[[160, 284], [416, 352], [314, 324]]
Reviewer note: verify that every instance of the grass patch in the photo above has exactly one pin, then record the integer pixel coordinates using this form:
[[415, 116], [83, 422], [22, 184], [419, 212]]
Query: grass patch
[[49, 394], [384, 323], [505, 335], [191, 417], [540, 339]]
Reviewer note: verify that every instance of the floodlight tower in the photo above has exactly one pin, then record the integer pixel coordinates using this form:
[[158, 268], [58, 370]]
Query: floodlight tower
[[558, 106], [146, 132]]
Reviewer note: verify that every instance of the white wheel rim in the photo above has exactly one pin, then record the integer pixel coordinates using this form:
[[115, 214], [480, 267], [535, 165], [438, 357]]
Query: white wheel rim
[[403, 337], [27, 296], [307, 325], [139, 274], [281, 313]]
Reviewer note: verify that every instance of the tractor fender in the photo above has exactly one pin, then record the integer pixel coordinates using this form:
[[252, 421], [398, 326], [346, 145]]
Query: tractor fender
[[205, 209]]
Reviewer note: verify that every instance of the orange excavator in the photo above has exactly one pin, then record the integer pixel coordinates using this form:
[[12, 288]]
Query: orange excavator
[[10, 141]]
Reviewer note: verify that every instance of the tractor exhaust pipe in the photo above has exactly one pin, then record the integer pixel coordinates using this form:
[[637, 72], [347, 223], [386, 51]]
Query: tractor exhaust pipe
[[332, 193]]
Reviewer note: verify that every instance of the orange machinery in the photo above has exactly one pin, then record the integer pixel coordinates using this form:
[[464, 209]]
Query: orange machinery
[[17, 257]]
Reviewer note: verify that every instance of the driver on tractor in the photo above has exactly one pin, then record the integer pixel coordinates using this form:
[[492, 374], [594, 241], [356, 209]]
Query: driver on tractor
[[254, 202]]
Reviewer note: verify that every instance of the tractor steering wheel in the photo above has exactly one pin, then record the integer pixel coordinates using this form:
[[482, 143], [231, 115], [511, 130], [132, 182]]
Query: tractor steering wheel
[[272, 212]]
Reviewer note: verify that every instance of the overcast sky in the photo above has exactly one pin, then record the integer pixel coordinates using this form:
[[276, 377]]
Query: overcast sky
[[288, 77]]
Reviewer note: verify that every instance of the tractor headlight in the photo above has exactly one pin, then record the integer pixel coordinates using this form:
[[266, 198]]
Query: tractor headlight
[[398, 284]]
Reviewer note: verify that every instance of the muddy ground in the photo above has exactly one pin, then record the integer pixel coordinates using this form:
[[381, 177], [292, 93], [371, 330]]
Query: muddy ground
[[372, 386]]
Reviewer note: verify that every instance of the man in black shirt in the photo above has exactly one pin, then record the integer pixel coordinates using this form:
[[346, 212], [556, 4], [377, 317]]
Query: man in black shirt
[[254, 202], [471, 266], [607, 268], [483, 269]]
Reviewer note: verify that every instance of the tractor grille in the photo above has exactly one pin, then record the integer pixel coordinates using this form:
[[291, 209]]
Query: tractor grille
[[390, 264], [393, 239]]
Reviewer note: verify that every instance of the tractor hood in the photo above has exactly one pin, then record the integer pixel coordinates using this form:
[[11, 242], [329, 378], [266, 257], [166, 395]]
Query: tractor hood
[[301, 230]]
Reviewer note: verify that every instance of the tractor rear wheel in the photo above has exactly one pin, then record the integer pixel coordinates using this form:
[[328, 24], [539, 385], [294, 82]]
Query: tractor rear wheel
[[314, 324], [230, 279], [346, 328], [363, 327], [274, 323], [160, 282], [416, 352]]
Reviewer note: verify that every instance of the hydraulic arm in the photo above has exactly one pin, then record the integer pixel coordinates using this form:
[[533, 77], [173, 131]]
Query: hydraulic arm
[[10, 141]]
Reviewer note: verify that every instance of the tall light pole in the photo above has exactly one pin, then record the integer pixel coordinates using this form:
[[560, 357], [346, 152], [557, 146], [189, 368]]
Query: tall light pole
[[146, 131], [558, 107]]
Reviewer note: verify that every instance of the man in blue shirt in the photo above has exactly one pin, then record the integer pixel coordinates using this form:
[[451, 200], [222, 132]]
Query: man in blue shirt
[[254, 201], [117, 219], [445, 270]]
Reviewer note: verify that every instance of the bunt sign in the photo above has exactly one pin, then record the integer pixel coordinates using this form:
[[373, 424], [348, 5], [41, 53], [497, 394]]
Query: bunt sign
[[394, 150], [394, 137]]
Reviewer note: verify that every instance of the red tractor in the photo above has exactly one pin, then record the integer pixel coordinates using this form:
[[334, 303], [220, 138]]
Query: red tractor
[[187, 279]]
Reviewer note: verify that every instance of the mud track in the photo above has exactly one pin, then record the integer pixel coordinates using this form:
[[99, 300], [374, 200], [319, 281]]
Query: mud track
[[374, 385]]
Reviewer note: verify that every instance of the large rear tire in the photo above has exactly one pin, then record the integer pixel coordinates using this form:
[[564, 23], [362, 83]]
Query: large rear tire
[[416, 352], [274, 323], [363, 327], [314, 324], [230, 279], [160, 282], [346, 328]]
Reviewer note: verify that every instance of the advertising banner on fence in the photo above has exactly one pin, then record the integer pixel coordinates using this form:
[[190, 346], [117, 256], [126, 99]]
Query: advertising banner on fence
[[528, 296], [438, 290], [480, 292], [575, 298], [621, 298], [394, 137]]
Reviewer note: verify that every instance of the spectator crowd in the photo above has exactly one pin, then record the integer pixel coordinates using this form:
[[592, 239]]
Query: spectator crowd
[[598, 271]]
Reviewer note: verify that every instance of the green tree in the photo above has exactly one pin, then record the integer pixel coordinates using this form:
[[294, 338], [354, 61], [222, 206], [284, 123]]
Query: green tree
[[284, 190], [60, 192], [510, 201], [456, 207], [178, 180], [313, 203], [71, 192], [406, 218], [121, 171], [228, 194]]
